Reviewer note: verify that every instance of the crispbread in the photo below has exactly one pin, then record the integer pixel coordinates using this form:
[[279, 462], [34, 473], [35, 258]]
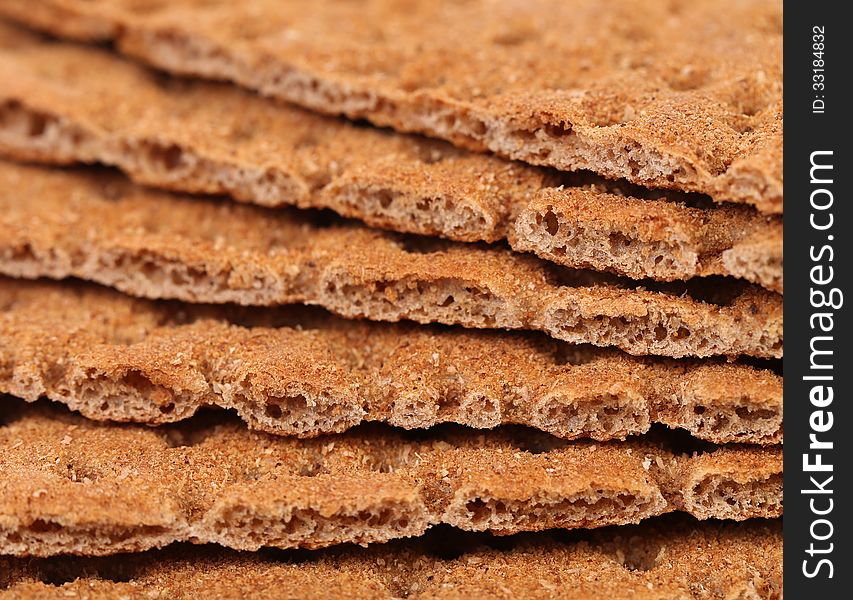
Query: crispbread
[[72, 485], [684, 95], [97, 226], [293, 372], [664, 558], [65, 103]]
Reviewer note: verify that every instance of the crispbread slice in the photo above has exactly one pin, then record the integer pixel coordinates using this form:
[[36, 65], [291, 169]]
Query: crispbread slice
[[296, 372], [98, 226], [685, 96], [63, 103], [72, 485], [663, 558]]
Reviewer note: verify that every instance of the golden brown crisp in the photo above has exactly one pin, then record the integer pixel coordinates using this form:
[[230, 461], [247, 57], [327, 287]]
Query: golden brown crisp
[[299, 372], [98, 226], [664, 558], [666, 93], [63, 103], [71, 485]]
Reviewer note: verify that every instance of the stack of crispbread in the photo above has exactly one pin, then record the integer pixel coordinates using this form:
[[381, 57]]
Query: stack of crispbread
[[542, 342]]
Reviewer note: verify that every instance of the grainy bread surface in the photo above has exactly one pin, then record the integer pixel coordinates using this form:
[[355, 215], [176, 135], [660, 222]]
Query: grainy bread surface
[[72, 485], [665, 558], [64, 103], [298, 372], [684, 95], [97, 226]]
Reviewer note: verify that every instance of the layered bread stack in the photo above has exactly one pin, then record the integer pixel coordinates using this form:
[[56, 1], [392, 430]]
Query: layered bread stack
[[523, 341]]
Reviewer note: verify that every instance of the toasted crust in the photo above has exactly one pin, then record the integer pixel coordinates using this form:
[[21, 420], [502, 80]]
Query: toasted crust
[[685, 96], [293, 372], [664, 558], [63, 103], [163, 246], [75, 486]]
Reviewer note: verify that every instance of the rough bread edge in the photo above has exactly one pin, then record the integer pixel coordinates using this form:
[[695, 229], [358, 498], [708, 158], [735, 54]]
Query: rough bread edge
[[383, 521], [551, 226], [564, 233], [338, 496], [358, 272], [535, 141], [670, 556], [57, 349], [660, 331], [720, 497], [128, 395]]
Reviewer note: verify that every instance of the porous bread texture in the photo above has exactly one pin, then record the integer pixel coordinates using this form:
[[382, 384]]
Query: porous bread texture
[[76, 486], [97, 226], [296, 372], [683, 95], [585, 228], [62, 103], [661, 558]]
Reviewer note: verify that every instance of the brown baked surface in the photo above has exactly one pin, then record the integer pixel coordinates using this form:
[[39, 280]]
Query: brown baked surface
[[72, 485], [675, 94], [97, 226], [662, 558], [63, 103], [301, 372]]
